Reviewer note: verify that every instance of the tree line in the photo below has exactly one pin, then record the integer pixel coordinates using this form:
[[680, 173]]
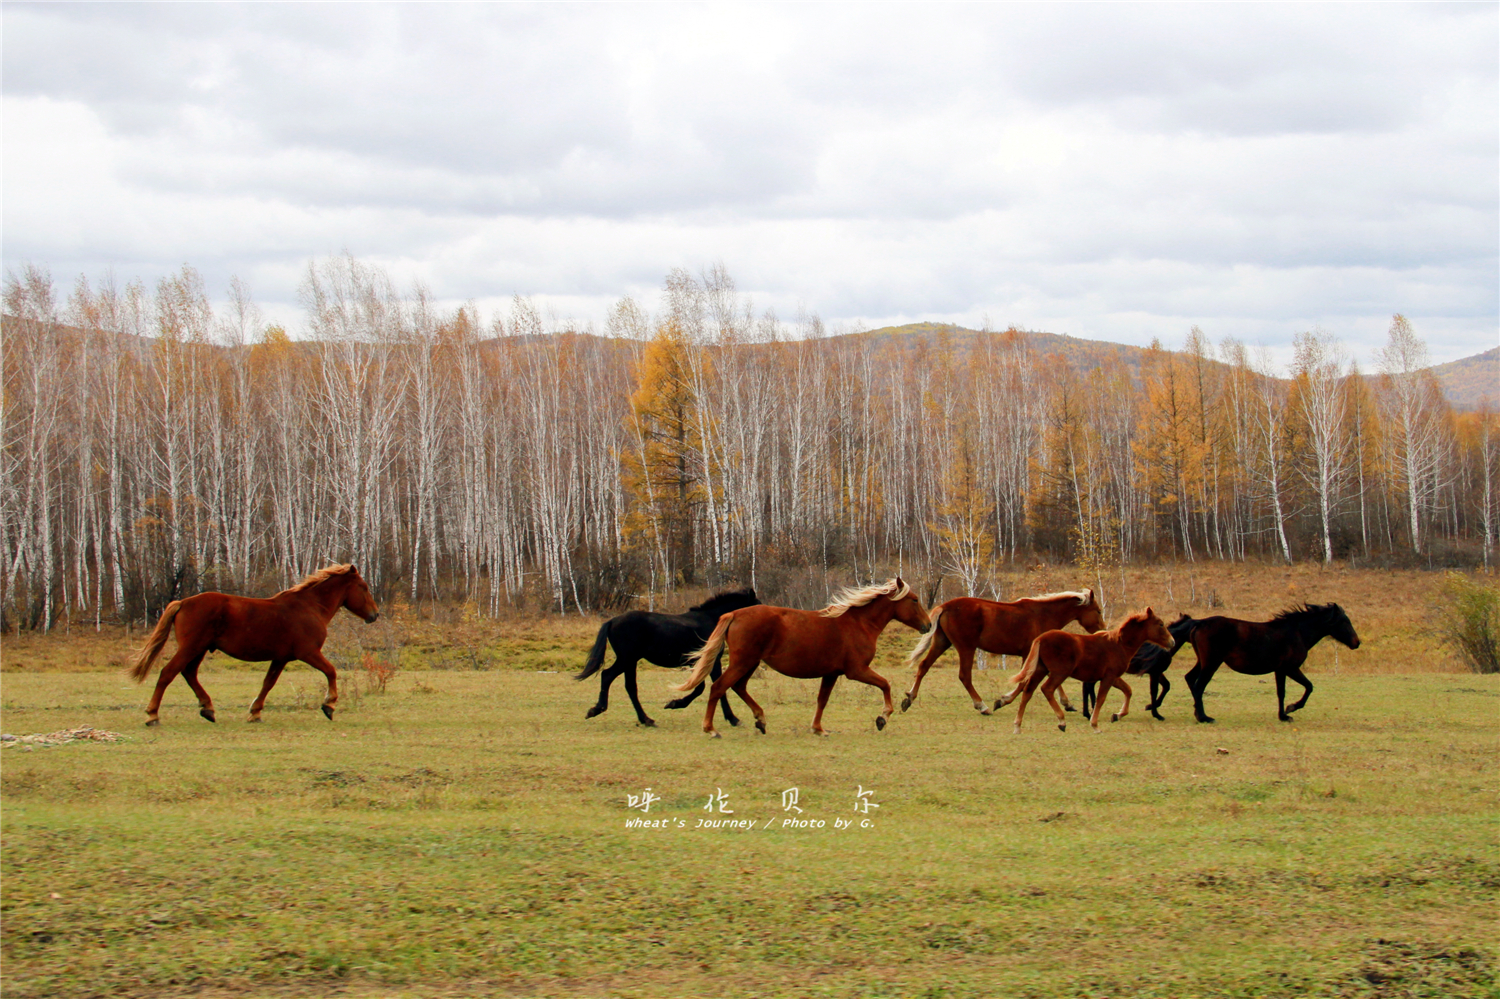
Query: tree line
[[154, 446]]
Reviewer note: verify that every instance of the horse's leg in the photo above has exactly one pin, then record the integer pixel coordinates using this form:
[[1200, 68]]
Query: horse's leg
[[1296, 674], [940, 644], [1049, 691], [205, 703], [724, 704], [1088, 698], [316, 660], [635, 698], [179, 662], [272, 675], [607, 677], [965, 677], [864, 674], [1159, 682], [1025, 695], [1124, 688], [1197, 679], [737, 673], [743, 689], [824, 690]]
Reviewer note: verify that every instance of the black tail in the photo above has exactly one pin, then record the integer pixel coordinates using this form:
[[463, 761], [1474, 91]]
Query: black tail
[[596, 655]]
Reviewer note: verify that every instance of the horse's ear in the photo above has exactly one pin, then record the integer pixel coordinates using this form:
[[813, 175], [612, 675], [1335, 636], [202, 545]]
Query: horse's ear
[[1150, 612]]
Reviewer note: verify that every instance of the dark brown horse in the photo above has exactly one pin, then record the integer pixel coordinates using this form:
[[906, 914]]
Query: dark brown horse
[[838, 640], [1278, 646], [1103, 657], [290, 625], [1007, 629]]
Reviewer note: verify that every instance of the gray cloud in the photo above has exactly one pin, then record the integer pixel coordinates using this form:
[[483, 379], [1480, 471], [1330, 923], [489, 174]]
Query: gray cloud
[[1122, 169]]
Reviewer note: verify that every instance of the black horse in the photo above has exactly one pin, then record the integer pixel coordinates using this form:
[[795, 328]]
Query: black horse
[[1278, 646], [663, 639], [1152, 660]]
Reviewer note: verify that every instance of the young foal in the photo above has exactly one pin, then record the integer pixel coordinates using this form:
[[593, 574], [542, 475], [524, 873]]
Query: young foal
[[969, 623], [1103, 657], [838, 640], [291, 625]]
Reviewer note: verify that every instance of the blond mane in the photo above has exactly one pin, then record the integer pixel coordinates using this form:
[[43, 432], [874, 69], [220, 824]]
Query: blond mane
[[313, 579], [1084, 597], [857, 596]]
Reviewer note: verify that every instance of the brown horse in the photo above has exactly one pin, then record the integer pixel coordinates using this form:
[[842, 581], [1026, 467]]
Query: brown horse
[[1103, 657], [838, 640], [290, 625], [1007, 629]]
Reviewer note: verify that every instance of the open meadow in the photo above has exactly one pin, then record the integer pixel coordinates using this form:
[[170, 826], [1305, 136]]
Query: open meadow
[[464, 831]]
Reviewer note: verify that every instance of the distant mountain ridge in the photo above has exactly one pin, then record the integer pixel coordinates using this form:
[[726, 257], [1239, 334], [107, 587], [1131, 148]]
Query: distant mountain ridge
[[1467, 382]]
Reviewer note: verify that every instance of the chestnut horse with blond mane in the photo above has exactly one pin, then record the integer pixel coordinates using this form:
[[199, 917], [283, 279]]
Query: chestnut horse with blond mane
[[1007, 629], [1103, 657], [838, 640], [291, 625]]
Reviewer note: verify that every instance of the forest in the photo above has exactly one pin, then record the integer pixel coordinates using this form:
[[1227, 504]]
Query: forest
[[154, 446]]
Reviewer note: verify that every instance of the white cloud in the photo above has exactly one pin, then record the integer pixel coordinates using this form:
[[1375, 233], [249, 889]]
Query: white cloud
[[1116, 171]]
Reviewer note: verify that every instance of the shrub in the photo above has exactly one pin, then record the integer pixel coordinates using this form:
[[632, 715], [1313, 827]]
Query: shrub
[[1468, 614]]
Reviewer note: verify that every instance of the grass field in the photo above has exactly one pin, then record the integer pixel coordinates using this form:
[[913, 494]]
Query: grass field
[[464, 833]]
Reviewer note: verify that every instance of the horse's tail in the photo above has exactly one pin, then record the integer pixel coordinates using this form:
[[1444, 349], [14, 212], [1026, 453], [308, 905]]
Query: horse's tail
[[596, 655], [141, 668], [703, 659], [1029, 666], [924, 646]]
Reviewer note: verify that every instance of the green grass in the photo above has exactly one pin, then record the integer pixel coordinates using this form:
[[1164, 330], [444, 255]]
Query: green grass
[[464, 833]]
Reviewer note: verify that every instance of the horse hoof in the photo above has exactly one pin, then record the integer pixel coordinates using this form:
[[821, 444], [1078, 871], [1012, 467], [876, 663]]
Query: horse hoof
[[1286, 717], [714, 735], [1015, 730], [999, 703], [646, 723], [209, 715], [327, 712], [253, 720], [760, 726], [905, 702], [1114, 717], [1069, 707], [153, 722], [595, 710], [880, 723], [670, 705], [983, 709], [735, 722], [1062, 726]]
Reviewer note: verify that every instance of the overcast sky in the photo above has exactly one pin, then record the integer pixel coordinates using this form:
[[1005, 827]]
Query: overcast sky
[[1116, 172]]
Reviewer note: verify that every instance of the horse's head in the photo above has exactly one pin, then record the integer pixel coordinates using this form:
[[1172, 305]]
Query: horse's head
[[1155, 630], [1340, 628], [1090, 616], [909, 610], [358, 599]]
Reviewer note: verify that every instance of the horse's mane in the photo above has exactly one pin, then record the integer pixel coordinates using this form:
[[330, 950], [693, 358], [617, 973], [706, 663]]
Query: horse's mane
[[313, 579], [857, 596], [1084, 597], [725, 597], [1304, 612]]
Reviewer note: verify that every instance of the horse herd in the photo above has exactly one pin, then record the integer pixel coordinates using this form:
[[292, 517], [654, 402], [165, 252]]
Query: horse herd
[[838, 640]]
